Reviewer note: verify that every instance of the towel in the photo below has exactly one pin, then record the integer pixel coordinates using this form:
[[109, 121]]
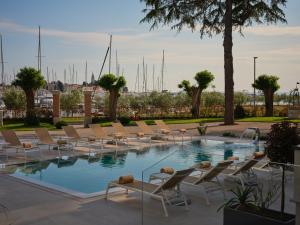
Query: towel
[[204, 165], [140, 134], [91, 139], [27, 145], [258, 155], [233, 158], [164, 131], [61, 142], [168, 170], [118, 135], [126, 179]]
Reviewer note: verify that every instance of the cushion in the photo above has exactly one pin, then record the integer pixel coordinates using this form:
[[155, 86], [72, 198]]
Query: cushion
[[168, 170], [27, 145], [126, 179]]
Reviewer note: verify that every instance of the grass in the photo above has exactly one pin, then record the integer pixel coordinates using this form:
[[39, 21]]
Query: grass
[[73, 119], [19, 126], [267, 119]]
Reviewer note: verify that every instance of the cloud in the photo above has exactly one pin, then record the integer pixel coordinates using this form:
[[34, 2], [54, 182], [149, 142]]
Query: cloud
[[94, 38], [274, 30]]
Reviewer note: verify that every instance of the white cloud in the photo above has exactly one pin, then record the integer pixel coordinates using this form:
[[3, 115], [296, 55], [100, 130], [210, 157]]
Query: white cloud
[[274, 30], [94, 38]]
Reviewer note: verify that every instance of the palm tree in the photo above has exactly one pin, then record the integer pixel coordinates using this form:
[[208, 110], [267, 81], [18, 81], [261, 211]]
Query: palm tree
[[215, 17], [268, 85], [30, 80], [113, 85], [203, 79]]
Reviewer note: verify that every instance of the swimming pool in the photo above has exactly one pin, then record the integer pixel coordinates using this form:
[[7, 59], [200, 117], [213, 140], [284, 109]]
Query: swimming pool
[[86, 175]]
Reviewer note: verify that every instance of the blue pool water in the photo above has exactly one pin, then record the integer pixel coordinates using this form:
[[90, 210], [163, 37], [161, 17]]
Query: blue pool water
[[91, 174]]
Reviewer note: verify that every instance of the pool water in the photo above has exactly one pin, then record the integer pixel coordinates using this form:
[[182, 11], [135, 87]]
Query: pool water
[[90, 174]]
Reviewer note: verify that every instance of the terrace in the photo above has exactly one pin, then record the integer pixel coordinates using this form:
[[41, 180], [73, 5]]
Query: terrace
[[31, 203]]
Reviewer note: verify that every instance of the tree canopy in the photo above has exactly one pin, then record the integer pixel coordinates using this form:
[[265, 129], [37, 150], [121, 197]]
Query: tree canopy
[[214, 17], [208, 15], [264, 82], [110, 82], [29, 79]]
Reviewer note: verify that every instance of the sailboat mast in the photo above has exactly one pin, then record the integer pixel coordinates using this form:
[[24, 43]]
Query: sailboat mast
[[85, 73], [2, 61], [65, 76], [39, 52], [162, 71], [110, 42], [47, 72], [143, 74], [153, 81]]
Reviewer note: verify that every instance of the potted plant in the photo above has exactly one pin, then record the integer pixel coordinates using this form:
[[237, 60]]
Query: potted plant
[[202, 129], [249, 206], [280, 145]]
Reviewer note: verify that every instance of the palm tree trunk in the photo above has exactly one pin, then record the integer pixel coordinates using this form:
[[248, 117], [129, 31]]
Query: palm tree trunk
[[195, 102], [30, 104], [228, 65], [113, 99], [269, 97]]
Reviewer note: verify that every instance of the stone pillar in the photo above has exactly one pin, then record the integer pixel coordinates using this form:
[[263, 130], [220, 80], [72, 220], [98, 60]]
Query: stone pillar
[[56, 106], [87, 108], [297, 184]]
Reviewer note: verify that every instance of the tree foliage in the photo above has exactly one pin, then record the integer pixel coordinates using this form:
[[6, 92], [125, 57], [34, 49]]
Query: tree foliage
[[214, 17], [70, 101], [113, 84], [268, 85], [14, 99], [30, 80], [203, 79], [209, 16]]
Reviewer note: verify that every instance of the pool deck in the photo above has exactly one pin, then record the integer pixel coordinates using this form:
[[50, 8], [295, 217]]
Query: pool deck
[[30, 204]]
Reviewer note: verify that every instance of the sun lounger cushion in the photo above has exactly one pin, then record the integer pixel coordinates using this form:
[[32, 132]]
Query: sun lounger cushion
[[119, 135], [204, 165], [126, 179], [91, 139], [140, 134], [167, 170], [232, 158], [27, 145], [61, 142], [258, 155], [164, 131]]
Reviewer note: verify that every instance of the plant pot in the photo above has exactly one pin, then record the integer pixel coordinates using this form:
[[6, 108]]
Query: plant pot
[[243, 217]]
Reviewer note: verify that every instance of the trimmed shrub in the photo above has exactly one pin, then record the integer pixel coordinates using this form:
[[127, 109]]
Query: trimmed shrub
[[239, 112], [124, 120], [60, 124]]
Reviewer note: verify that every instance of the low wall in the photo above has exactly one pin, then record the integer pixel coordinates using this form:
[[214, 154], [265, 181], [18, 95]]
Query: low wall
[[294, 113]]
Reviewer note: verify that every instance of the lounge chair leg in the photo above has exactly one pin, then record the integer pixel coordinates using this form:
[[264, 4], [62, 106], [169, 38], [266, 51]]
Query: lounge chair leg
[[185, 202], [206, 196], [106, 192], [164, 207]]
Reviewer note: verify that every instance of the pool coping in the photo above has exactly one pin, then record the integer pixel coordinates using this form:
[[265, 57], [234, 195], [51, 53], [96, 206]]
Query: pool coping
[[65, 190]]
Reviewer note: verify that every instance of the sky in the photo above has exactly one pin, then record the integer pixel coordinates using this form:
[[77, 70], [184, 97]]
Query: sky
[[74, 32]]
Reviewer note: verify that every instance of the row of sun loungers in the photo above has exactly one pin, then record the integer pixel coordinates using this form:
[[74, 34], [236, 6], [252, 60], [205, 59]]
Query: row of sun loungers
[[73, 138], [171, 180]]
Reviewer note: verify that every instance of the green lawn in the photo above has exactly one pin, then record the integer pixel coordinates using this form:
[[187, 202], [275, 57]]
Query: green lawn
[[267, 119], [73, 119], [19, 126]]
